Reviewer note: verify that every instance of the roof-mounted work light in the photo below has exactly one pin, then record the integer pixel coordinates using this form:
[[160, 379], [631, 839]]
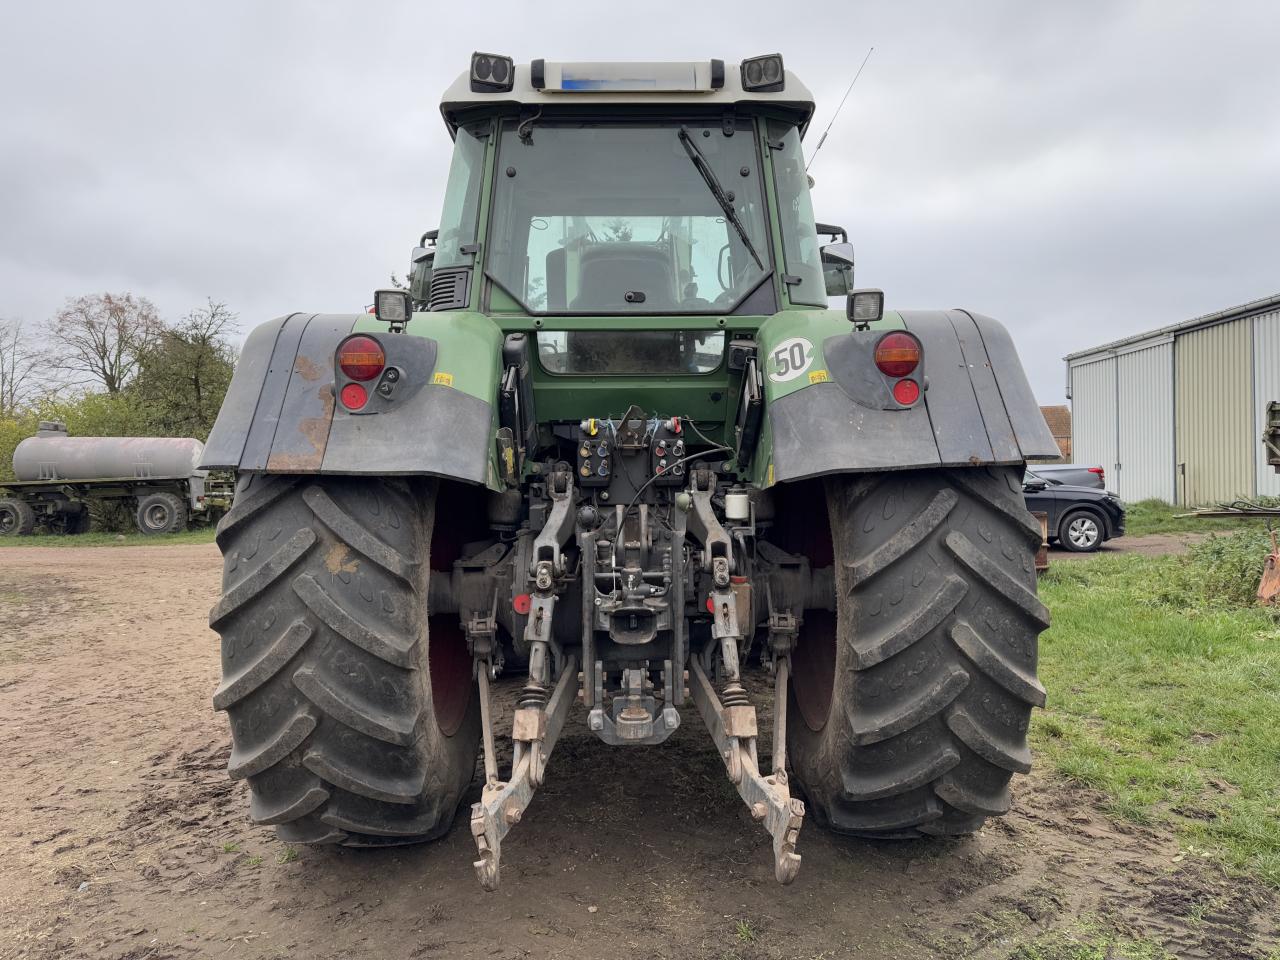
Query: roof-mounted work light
[[491, 73], [763, 74]]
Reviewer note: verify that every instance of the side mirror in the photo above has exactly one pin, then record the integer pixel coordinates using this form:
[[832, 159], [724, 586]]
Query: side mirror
[[420, 262], [837, 268], [1033, 485]]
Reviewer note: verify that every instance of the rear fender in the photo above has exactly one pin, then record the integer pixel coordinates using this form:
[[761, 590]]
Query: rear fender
[[280, 414], [837, 414]]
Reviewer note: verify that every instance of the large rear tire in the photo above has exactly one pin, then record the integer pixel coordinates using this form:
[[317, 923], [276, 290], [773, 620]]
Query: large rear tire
[[351, 723], [910, 704]]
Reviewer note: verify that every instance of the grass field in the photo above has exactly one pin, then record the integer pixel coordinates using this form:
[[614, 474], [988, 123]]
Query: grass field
[[1166, 699], [102, 539], [1156, 516]]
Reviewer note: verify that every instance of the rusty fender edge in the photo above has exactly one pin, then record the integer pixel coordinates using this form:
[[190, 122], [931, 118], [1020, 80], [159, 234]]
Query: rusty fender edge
[[978, 407], [279, 416]]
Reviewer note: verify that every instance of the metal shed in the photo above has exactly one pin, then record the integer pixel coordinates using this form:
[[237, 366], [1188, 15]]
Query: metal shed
[[1266, 387], [1177, 413]]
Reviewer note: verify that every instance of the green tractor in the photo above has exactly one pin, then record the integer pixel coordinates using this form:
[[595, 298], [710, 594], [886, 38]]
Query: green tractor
[[613, 439]]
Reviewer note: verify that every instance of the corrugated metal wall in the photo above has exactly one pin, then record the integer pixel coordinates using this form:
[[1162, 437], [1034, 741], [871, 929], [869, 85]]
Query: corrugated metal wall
[[1093, 413], [1266, 387], [1144, 382], [1215, 423]]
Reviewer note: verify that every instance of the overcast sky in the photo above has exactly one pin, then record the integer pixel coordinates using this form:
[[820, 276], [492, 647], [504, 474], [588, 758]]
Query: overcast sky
[[1080, 171]]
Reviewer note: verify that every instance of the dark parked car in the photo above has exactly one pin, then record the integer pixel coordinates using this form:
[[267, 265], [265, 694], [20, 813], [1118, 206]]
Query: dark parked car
[[1080, 518], [1075, 473]]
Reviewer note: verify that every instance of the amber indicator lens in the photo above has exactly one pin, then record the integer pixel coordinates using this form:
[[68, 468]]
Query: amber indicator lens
[[361, 358], [897, 354]]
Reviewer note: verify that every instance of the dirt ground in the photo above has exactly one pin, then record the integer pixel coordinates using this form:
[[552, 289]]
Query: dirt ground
[[1150, 545], [123, 837]]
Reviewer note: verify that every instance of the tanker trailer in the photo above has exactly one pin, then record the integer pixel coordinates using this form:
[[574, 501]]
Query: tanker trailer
[[58, 476]]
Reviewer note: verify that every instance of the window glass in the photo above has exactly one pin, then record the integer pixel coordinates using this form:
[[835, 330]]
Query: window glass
[[795, 215], [461, 199], [630, 352], [616, 218]]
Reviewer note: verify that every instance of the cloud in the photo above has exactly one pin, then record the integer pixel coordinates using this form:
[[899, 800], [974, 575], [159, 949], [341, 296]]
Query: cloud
[[1079, 171]]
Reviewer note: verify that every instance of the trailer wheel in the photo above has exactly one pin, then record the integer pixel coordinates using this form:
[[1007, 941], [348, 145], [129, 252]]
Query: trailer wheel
[[161, 513], [17, 519], [352, 714], [910, 703]]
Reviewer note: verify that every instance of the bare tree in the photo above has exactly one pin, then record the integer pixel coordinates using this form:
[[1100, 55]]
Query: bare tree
[[18, 367], [101, 338]]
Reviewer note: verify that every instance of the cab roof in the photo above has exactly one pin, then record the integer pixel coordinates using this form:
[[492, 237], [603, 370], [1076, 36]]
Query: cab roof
[[461, 102]]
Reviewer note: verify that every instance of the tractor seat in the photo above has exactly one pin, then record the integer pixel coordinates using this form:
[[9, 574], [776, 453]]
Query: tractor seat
[[609, 271]]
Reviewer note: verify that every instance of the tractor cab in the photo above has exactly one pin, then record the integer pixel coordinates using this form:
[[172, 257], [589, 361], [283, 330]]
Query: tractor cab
[[589, 190]]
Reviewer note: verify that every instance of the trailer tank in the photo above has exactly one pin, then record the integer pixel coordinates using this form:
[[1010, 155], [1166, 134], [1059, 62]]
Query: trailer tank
[[52, 455]]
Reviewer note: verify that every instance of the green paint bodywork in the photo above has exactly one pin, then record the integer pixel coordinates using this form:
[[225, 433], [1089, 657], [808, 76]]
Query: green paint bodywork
[[470, 346]]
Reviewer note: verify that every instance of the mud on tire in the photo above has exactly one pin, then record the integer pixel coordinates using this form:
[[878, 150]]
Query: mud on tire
[[910, 704], [351, 723]]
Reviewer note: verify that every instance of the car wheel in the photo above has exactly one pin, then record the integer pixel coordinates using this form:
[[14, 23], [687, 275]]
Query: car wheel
[[1080, 531]]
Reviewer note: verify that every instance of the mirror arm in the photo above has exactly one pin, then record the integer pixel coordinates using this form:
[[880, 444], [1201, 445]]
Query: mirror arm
[[832, 231]]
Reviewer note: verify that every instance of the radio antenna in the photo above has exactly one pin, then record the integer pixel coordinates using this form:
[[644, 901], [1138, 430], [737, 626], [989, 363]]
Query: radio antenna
[[823, 138]]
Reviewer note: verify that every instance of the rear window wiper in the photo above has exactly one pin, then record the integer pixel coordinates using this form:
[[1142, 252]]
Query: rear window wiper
[[717, 191]]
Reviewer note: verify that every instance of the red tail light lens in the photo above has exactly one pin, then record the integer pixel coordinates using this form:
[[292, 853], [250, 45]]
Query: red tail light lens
[[361, 358], [354, 396], [906, 392], [897, 354], [1098, 470]]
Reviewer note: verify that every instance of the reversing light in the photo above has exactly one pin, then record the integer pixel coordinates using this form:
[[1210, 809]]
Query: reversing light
[[354, 396], [361, 358], [491, 73], [897, 354], [763, 74]]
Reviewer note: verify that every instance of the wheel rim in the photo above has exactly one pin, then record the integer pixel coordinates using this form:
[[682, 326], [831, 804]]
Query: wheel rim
[[449, 665], [157, 516], [8, 521], [1083, 532], [813, 668]]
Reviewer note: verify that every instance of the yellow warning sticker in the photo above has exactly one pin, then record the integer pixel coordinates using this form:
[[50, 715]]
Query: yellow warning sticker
[[444, 379], [769, 481], [818, 376]]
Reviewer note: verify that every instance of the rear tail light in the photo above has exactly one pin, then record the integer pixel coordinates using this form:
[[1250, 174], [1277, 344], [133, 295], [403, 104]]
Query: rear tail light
[[354, 396], [1102, 474], [361, 358], [906, 392], [897, 354]]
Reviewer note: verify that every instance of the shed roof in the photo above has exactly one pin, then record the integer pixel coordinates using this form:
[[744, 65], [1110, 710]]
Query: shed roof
[[1059, 419], [1249, 309]]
